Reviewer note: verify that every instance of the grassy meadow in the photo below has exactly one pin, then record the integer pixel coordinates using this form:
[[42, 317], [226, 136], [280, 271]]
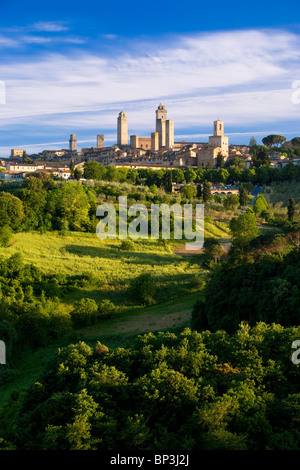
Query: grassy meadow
[[109, 270]]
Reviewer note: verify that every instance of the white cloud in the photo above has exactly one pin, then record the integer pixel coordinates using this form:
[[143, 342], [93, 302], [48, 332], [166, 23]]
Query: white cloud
[[243, 77], [49, 26]]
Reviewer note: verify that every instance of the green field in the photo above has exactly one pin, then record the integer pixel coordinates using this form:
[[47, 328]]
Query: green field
[[109, 269]]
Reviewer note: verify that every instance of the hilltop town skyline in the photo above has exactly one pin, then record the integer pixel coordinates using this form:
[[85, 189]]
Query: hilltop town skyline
[[67, 71]]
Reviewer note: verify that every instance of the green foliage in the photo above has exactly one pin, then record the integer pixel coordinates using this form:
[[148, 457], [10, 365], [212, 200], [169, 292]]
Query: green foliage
[[258, 284], [11, 211], [127, 245], [260, 155], [69, 207], [220, 160], [184, 392], [230, 201], [106, 309], [78, 173], [273, 139], [143, 289], [6, 234], [243, 228], [212, 250], [188, 191], [252, 142], [243, 196], [206, 191], [85, 312], [260, 204], [291, 209], [95, 171]]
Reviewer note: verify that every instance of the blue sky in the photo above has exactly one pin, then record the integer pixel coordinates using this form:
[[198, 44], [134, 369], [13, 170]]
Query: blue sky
[[71, 67]]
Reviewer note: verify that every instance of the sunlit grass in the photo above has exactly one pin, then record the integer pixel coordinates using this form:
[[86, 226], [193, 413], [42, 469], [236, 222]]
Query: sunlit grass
[[109, 268]]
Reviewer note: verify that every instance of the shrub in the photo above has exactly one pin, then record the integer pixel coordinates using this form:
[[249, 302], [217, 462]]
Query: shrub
[[142, 289], [106, 309], [84, 313], [198, 282], [127, 245]]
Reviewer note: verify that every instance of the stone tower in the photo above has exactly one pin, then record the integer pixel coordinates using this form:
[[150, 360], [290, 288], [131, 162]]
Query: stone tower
[[154, 141], [161, 117], [122, 129], [169, 134], [73, 143], [218, 128], [219, 139], [100, 141]]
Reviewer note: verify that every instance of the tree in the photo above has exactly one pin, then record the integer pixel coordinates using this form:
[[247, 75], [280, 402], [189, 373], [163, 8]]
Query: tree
[[260, 156], [189, 191], [33, 195], [206, 191], [190, 175], [212, 249], [273, 139], [153, 189], [85, 312], [77, 173], [260, 204], [230, 201], [69, 207], [72, 168], [220, 160], [291, 209], [6, 234], [93, 170], [11, 211], [243, 196], [295, 142], [106, 309], [243, 228], [252, 142], [142, 289], [235, 162]]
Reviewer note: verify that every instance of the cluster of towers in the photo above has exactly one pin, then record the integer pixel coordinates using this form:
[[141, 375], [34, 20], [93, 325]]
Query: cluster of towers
[[162, 138]]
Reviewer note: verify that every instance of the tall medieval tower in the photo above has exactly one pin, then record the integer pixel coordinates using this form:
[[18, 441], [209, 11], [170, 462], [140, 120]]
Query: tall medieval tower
[[73, 143], [164, 128], [219, 139], [122, 129], [161, 117]]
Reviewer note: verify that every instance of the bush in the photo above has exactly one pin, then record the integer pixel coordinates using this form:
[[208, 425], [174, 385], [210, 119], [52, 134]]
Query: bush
[[198, 282], [142, 289], [106, 309], [127, 245], [84, 313]]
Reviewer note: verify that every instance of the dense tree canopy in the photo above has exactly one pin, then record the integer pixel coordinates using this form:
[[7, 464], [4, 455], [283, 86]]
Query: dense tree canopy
[[191, 391]]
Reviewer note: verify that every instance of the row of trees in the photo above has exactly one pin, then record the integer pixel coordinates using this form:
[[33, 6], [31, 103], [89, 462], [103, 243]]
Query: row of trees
[[234, 171]]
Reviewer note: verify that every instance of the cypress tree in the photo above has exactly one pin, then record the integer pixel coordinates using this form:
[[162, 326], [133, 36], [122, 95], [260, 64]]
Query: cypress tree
[[291, 209], [206, 192]]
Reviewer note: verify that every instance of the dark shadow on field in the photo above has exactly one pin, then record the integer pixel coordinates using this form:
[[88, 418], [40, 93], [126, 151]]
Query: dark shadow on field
[[135, 257], [168, 287]]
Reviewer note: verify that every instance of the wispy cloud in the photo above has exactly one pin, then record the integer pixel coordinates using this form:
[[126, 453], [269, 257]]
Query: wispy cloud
[[243, 77], [49, 26]]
